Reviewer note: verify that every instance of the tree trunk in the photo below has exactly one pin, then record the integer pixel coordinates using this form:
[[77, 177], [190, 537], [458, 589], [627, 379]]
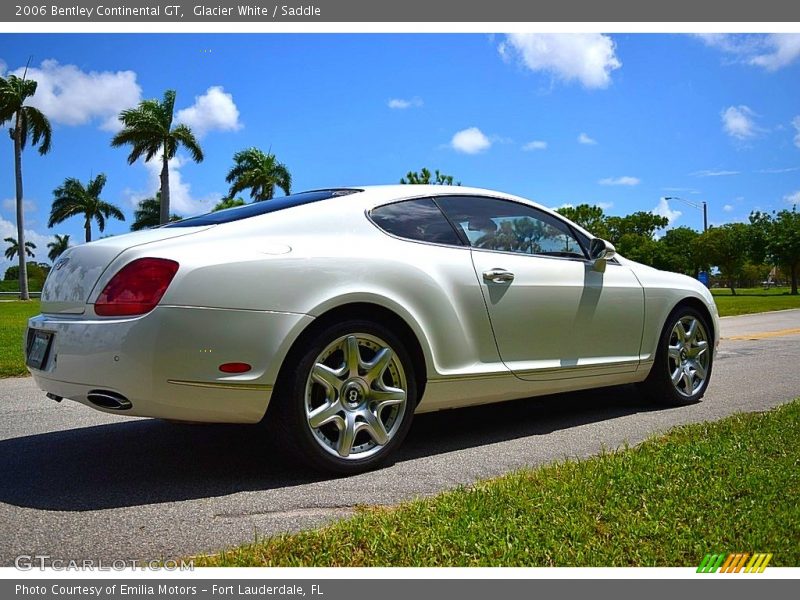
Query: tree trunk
[[23, 268], [794, 279], [164, 212], [87, 226]]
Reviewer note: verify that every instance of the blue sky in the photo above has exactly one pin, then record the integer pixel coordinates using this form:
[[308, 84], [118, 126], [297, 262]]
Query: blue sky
[[616, 120]]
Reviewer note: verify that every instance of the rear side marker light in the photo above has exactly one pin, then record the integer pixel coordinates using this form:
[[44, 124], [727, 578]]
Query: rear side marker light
[[235, 367], [137, 288]]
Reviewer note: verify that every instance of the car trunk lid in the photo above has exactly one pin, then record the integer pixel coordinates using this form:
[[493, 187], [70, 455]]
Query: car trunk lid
[[74, 275]]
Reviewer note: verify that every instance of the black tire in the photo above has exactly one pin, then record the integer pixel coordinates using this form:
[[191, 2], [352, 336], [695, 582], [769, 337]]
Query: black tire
[[296, 395], [659, 386]]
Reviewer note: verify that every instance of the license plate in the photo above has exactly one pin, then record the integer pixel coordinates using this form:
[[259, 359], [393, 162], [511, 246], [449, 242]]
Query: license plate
[[39, 349]]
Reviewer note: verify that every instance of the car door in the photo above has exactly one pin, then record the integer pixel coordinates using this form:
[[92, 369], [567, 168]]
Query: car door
[[553, 315]]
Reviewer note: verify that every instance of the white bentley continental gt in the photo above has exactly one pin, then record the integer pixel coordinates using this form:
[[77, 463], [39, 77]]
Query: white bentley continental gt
[[333, 316]]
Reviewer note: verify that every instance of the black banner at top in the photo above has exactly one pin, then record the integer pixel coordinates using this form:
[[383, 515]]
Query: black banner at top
[[364, 11]]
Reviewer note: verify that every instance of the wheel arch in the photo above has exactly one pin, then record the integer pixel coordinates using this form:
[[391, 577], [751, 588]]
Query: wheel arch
[[699, 306], [360, 310], [653, 384]]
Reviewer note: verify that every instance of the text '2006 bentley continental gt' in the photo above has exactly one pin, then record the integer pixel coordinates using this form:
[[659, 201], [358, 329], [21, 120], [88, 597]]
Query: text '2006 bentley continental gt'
[[334, 315]]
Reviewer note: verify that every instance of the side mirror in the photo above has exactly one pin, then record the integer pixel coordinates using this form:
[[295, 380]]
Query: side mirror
[[600, 252]]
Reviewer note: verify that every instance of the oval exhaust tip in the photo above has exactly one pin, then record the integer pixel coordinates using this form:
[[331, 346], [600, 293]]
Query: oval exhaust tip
[[108, 400]]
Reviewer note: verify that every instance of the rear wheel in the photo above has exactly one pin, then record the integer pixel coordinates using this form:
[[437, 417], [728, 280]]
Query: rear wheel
[[349, 403], [682, 367]]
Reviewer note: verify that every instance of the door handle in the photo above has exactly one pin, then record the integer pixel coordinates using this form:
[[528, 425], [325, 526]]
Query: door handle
[[498, 276]]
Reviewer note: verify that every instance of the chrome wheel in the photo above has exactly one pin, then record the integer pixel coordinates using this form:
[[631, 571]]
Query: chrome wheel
[[355, 396], [688, 355]]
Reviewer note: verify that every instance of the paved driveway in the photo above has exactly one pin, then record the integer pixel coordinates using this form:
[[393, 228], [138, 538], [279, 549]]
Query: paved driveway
[[78, 484]]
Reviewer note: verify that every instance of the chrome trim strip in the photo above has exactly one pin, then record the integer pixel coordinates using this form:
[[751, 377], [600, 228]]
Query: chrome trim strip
[[611, 366], [565, 372], [475, 377], [223, 385]]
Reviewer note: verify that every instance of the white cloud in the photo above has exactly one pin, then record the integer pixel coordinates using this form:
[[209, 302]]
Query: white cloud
[[535, 145], [181, 200], [624, 180], [793, 198], [70, 96], [586, 140], [796, 125], [402, 103], [738, 122], [778, 171], [663, 209], [470, 141], [604, 205], [726, 42], [10, 205], [782, 49], [9, 229], [771, 52], [728, 208], [714, 173], [213, 111], [586, 57]]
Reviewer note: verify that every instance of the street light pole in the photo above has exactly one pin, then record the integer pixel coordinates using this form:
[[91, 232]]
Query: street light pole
[[705, 216], [701, 275], [704, 208]]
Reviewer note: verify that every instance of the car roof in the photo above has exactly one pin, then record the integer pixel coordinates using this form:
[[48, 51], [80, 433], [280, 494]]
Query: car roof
[[376, 195], [365, 198]]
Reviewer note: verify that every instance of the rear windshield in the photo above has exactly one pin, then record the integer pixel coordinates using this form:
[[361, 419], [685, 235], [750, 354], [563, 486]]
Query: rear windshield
[[261, 208]]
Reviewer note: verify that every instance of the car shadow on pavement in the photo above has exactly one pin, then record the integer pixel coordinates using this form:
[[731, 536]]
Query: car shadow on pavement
[[504, 421], [145, 461]]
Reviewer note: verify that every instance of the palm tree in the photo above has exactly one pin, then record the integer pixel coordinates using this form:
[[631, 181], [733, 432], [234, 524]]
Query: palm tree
[[13, 248], [258, 172], [228, 203], [148, 214], [72, 199], [148, 129], [58, 246], [27, 121]]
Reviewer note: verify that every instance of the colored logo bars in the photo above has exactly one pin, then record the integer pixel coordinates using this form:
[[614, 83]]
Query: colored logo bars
[[734, 563]]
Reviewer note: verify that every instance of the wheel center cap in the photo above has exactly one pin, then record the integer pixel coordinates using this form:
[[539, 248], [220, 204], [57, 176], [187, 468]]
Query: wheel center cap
[[354, 392], [684, 354]]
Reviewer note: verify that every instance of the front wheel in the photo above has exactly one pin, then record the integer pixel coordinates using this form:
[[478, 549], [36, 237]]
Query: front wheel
[[350, 401], [682, 367]]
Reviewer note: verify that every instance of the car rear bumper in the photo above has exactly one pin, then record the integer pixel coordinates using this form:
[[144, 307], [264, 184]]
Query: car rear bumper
[[166, 363]]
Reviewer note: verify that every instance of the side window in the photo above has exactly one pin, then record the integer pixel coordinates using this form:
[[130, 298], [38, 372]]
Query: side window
[[415, 220], [494, 224]]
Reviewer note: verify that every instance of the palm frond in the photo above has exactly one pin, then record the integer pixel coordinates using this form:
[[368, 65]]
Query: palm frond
[[40, 129], [109, 210], [95, 187], [167, 108], [183, 135]]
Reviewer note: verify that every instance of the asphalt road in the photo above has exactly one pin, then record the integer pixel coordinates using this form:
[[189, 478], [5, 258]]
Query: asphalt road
[[77, 484]]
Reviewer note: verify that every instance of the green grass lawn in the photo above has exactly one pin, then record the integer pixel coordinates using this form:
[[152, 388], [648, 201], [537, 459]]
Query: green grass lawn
[[729, 486], [753, 300], [14, 316], [34, 285]]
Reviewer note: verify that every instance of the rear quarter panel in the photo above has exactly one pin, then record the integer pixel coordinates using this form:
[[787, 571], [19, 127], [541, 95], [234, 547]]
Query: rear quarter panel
[[293, 262]]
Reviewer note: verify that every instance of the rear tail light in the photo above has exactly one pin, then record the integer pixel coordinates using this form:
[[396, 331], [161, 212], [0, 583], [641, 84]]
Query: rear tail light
[[137, 288]]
